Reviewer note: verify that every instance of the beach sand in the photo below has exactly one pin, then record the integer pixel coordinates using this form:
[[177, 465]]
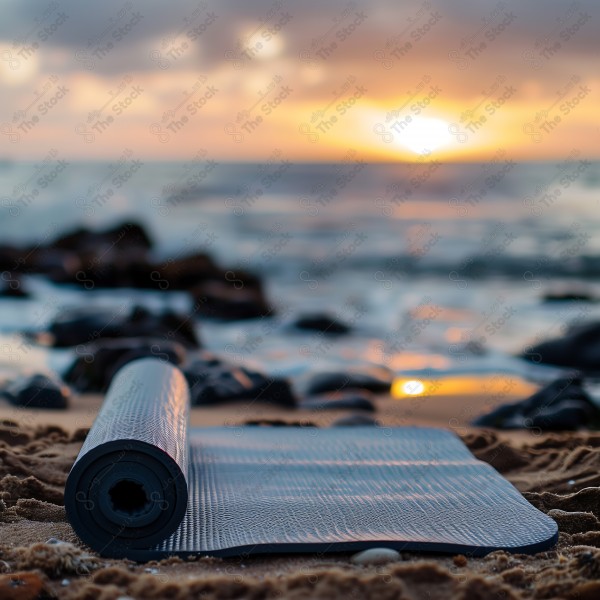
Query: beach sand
[[558, 473]]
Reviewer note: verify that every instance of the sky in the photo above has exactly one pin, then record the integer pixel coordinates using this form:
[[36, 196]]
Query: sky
[[394, 81]]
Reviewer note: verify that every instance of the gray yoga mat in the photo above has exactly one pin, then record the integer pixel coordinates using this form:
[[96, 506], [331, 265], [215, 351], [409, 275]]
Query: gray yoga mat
[[146, 486]]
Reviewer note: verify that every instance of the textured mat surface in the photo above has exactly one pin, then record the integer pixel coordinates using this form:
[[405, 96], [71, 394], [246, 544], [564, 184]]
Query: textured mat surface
[[230, 491]]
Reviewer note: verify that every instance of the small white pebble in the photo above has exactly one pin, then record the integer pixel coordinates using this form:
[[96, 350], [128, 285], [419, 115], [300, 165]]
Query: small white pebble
[[151, 570], [65, 582], [375, 556], [571, 482]]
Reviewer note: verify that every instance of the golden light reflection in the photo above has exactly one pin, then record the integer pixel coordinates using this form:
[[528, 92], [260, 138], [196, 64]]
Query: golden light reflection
[[412, 360], [490, 386], [413, 387]]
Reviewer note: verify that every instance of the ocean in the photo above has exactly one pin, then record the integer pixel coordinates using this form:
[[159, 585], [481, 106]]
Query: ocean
[[440, 268]]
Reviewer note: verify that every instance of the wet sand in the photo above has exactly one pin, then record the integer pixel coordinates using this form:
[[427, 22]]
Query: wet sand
[[558, 473]]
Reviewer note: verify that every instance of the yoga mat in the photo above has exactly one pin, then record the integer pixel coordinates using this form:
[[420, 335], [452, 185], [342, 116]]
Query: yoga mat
[[146, 486]]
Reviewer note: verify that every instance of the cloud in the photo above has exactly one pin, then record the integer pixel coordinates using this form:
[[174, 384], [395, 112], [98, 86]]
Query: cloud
[[119, 36], [396, 51]]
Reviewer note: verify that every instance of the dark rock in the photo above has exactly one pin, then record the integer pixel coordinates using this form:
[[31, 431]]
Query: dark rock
[[377, 381], [37, 391], [185, 273], [278, 423], [218, 293], [11, 257], [571, 294], [126, 236], [97, 362], [11, 286], [86, 324], [566, 415], [60, 266], [114, 257], [120, 257], [355, 421], [113, 269], [344, 401], [506, 416], [562, 405], [322, 322], [579, 348], [213, 381], [230, 298]]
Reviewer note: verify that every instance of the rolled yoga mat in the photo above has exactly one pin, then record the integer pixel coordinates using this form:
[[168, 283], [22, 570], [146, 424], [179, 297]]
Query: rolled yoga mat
[[146, 486]]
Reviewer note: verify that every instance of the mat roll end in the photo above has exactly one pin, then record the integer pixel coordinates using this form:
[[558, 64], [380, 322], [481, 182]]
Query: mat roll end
[[128, 487]]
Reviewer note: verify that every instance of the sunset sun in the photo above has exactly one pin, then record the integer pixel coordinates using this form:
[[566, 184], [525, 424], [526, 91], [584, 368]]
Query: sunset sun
[[423, 135]]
